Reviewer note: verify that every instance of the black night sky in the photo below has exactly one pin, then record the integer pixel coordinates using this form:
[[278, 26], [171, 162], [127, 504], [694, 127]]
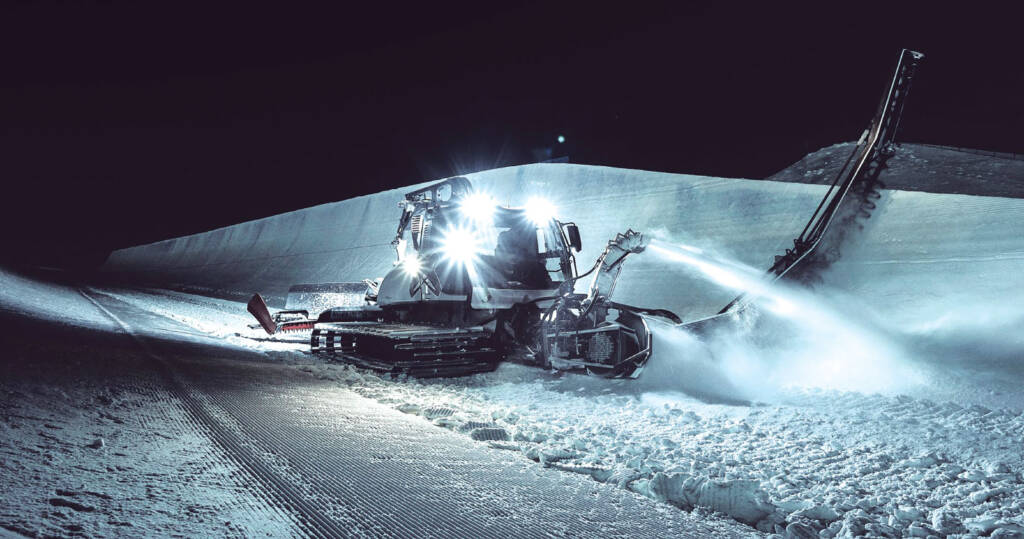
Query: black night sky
[[130, 123]]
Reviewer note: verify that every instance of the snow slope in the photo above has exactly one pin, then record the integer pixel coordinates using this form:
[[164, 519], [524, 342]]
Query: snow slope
[[911, 459], [350, 240], [911, 245]]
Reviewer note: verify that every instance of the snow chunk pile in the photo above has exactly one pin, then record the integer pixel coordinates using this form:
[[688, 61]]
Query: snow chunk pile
[[838, 464], [743, 500]]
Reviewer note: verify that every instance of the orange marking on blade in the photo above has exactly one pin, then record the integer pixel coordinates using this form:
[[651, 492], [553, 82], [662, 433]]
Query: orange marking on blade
[[297, 326]]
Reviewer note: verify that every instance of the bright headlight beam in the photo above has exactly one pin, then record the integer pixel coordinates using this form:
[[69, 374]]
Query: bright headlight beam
[[411, 265], [479, 207], [540, 211], [460, 246]]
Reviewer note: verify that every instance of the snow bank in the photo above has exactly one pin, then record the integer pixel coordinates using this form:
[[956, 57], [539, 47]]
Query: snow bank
[[903, 264]]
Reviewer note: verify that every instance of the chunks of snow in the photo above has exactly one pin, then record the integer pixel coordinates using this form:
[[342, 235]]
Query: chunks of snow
[[495, 434], [553, 455], [820, 512], [972, 475], [743, 500], [800, 530], [409, 408], [843, 464], [923, 461], [982, 524], [983, 495], [436, 412], [908, 514], [945, 522]]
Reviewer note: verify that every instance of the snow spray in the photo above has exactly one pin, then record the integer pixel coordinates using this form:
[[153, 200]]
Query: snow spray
[[791, 338]]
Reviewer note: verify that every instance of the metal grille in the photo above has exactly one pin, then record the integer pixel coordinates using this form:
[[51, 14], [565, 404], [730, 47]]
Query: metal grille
[[601, 348]]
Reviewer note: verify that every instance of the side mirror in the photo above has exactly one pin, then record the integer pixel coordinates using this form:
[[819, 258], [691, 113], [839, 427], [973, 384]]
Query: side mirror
[[573, 232]]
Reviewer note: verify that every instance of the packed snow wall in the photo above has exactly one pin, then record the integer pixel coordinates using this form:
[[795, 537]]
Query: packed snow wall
[[915, 245]]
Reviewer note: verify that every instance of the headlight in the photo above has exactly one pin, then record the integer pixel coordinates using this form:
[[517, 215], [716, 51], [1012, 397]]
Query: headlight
[[411, 265], [460, 245], [479, 207], [540, 211]]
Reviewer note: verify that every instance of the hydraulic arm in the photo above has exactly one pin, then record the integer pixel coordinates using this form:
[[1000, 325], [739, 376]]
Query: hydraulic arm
[[858, 174]]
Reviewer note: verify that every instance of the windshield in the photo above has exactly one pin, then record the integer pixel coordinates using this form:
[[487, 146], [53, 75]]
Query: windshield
[[518, 254]]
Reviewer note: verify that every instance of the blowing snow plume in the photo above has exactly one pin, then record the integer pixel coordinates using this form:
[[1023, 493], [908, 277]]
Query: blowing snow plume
[[785, 337]]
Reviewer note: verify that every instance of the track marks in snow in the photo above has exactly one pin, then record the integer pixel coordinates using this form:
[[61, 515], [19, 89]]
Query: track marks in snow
[[220, 319], [830, 460], [154, 474], [279, 492], [837, 462], [379, 479]]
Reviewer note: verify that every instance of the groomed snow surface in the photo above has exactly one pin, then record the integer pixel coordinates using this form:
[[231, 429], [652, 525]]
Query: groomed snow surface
[[91, 442], [101, 455], [116, 421], [887, 440]]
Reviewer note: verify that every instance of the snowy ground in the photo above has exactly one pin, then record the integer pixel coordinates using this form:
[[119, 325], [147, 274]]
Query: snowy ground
[[119, 421], [914, 459], [92, 445]]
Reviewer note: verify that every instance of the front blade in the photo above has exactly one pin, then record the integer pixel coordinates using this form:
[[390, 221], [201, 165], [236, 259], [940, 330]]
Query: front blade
[[258, 308]]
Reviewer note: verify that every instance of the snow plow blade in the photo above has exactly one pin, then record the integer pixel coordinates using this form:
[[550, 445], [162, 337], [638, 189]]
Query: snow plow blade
[[258, 309], [309, 298], [421, 351]]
